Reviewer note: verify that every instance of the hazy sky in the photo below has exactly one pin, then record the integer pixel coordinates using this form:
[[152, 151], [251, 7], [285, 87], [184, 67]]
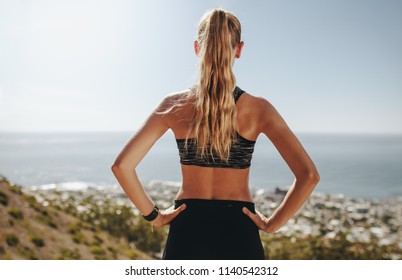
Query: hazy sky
[[327, 66]]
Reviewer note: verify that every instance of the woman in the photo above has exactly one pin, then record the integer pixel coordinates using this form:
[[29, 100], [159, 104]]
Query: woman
[[216, 125]]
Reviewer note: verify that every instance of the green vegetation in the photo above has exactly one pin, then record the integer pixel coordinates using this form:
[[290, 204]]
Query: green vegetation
[[2, 250], [27, 253], [280, 247], [75, 230], [97, 240], [67, 254], [113, 252], [74, 227], [12, 240], [145, 239], [79, 238], [98, 252], [15, 188], [132, 255], [38, 241], [45, 218], [16, 213], [3, 198], [33, 203], [117, 220]]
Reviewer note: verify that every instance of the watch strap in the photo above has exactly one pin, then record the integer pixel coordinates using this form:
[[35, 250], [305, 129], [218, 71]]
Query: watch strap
[[152, 216]]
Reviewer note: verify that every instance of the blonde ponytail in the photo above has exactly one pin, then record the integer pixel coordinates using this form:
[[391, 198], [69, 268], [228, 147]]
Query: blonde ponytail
[[214, 121]]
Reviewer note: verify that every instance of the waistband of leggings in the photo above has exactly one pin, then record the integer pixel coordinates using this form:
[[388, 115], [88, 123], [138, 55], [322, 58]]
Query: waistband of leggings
[[214, 203]]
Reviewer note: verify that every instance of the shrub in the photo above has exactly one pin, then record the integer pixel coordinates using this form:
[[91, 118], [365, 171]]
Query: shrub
[[38, 241], [2, 250], [145, 239], [48, 220], [74, 227], [3, 198], [16, 213], [15, 188], [27, 253], [33, 203], [12, 240], [98, 252], [67, 254], [78, 238], [51, 223], [133, 255], [97, 240], [112, 251]]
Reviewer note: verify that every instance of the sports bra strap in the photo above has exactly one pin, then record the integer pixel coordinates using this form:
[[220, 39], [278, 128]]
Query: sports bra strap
[[237, 93]]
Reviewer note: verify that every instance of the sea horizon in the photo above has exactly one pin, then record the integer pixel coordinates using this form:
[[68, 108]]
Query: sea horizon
[[362, 165]]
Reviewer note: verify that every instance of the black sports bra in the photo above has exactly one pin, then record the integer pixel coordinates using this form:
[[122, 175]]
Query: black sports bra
[[240, 153]]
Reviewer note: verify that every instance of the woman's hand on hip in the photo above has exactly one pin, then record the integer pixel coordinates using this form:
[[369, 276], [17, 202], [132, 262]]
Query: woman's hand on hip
[[259, 219], [166, 216]]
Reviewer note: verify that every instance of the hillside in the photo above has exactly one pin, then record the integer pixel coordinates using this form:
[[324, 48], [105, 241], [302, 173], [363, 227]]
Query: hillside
[[33, 230], [92, 223]]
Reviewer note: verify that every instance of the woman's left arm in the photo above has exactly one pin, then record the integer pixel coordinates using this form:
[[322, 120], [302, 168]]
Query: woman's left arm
[[306, 175], [131, 155]]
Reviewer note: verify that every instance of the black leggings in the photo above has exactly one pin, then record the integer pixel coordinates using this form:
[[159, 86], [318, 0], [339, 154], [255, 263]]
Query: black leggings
[[213, 230]]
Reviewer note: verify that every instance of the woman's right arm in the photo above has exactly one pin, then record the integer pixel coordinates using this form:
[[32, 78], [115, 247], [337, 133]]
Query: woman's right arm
[[275, 128], [124, 166]]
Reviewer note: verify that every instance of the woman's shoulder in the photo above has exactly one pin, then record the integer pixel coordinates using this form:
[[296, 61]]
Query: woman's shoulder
[[173, 101], [178, 96], [259, 109], [256, 103]]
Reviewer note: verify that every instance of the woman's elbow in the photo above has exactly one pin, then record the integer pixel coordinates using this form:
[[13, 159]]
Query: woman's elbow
[[312, 177], [114, 167], [117, 166]]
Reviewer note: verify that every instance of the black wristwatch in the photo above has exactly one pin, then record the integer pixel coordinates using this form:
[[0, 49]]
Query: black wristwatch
[[153, 214]]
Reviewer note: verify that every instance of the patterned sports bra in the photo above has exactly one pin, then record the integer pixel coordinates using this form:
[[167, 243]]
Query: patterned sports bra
[[240, 153]]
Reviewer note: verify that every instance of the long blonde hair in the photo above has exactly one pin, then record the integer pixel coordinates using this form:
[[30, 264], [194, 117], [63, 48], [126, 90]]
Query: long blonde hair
[[215, 114]]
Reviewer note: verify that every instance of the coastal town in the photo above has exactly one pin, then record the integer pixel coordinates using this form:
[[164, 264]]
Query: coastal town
[[326, 215]]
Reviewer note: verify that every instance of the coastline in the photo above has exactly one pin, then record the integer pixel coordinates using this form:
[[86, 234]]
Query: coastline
[[324, 216]]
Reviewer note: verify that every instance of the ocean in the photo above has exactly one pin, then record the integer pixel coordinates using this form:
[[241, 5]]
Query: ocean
[[356, 165]]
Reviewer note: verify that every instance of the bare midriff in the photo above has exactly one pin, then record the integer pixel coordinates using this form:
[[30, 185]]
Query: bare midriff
[[214, 183]]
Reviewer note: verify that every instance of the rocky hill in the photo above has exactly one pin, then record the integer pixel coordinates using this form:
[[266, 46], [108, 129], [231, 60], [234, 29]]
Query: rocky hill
[[101, 223], [33, 230]]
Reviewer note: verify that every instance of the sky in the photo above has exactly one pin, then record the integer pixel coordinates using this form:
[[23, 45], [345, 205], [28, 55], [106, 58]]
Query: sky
[[327, 66]]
